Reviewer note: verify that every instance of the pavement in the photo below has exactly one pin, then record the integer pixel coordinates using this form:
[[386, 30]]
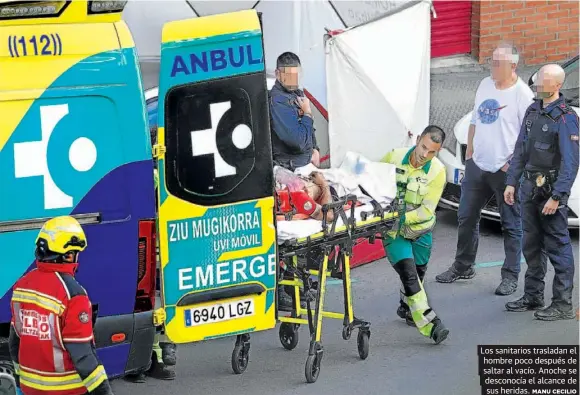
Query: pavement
[[401, 361]]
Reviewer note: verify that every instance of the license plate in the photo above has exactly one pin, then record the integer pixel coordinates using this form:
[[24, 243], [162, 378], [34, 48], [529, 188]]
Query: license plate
[[219, 312], [459, 174]]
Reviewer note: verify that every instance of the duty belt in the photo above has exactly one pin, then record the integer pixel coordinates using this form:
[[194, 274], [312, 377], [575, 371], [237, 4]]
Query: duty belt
[[541, 178]]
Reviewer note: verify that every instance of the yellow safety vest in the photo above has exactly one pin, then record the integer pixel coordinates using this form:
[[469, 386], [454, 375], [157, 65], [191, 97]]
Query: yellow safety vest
[[419, 190]]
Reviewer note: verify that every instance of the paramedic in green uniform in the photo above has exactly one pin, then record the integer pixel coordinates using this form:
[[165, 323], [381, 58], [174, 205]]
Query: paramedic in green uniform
[[164, 353], [420, 181]]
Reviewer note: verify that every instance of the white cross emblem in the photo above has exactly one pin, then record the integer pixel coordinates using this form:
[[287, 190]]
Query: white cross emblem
[[30, 158], [203, 142]]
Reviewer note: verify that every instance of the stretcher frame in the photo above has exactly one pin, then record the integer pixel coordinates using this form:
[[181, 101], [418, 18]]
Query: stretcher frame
[[374, 225]]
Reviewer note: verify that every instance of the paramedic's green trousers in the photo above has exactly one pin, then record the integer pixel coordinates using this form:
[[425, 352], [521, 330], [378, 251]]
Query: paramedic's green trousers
[[409, 257]]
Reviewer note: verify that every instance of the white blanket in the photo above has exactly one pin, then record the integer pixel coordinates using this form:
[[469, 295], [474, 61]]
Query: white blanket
[[377, 179]]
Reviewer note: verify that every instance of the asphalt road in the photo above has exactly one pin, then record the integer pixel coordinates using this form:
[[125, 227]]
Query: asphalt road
[[401, 361]]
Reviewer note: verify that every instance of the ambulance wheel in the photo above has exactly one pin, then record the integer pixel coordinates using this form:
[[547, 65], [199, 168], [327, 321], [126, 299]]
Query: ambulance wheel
[[312, 368], [7, 383], [362, 343], [288, 334], [240, 358]]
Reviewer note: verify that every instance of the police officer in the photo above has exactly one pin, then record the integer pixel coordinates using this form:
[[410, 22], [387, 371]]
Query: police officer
[[51, 297], [546, 154]]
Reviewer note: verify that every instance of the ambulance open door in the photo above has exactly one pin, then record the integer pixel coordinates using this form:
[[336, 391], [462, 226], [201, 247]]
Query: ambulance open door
[[216, 204]]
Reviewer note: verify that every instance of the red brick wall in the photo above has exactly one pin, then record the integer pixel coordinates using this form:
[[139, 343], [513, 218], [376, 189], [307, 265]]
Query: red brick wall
[[543, 31]]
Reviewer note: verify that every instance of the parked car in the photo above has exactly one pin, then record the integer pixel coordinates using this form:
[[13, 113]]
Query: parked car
[[455, 162]]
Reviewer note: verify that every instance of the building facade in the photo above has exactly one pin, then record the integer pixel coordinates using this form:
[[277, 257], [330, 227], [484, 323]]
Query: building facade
[[543, 31]]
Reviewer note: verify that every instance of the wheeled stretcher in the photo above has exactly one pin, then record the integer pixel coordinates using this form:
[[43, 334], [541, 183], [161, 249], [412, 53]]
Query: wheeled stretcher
[[323, 254]]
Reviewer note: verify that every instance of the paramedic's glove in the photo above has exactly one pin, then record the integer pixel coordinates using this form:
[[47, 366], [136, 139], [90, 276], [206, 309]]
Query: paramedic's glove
[[399, 222], [159, 317]]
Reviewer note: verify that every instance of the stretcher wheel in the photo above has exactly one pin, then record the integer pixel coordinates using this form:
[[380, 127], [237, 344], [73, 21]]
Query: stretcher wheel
[[288, 335], [240, 358], [312, 368], [362, 342], [346, 332]]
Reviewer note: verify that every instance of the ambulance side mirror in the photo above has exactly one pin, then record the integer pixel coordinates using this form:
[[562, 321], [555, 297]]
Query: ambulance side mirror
[[532, 79]]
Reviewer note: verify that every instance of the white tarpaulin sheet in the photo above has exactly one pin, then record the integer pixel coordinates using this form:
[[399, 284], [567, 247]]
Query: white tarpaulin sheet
[[378, 84]]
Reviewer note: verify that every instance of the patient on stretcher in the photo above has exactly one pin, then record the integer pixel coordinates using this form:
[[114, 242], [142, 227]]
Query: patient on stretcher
[[305, 195]]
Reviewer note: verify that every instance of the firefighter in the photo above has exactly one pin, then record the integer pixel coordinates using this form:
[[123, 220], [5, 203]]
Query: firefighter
[[51, 334], [420, 183]]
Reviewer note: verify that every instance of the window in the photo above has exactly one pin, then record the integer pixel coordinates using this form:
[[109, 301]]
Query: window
[[571, 85], [152, 112], [217, 138]]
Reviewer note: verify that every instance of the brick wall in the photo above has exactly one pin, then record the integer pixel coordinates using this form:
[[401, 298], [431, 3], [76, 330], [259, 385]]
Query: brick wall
[[543, 31]]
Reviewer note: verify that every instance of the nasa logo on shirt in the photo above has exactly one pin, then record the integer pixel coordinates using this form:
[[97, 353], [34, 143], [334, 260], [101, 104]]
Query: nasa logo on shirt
[[488, 111]]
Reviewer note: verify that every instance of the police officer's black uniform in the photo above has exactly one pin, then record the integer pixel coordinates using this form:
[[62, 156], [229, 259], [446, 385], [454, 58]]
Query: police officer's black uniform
[[546, 154]]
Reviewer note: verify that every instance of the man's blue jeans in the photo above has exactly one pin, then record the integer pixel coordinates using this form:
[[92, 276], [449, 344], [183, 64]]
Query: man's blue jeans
[[477, 188]]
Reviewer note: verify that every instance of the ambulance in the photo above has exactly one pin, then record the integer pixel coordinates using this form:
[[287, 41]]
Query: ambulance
[[75, 140]]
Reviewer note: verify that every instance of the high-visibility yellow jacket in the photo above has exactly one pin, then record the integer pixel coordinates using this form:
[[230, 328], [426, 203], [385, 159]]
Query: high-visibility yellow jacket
[[419, 190]]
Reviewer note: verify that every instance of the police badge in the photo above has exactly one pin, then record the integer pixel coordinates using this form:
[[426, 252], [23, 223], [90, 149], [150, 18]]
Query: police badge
[[540, 180]]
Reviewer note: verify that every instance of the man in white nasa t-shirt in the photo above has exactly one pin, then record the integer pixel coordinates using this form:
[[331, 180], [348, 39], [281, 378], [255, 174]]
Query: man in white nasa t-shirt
[[501, 102]]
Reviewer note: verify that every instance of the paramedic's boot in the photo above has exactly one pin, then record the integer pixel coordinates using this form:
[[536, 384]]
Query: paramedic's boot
[[284, 300], [168, 353], [158, 369], [403, 310], [426, 321]]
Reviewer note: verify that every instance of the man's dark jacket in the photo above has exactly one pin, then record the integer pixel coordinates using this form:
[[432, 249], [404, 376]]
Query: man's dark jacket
[[293, 137]]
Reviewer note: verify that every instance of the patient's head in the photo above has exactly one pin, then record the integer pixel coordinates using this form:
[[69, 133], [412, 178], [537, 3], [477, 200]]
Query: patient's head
[[428, 145], [288, 70]]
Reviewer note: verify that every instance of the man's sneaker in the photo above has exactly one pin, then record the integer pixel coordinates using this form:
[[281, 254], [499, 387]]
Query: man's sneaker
[[506, 287], [553, 313], [451, 275], [524, 304], [439, 332]]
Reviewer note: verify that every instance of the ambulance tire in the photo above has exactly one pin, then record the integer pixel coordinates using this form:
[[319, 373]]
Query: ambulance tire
[[6, 368], [6, 365]]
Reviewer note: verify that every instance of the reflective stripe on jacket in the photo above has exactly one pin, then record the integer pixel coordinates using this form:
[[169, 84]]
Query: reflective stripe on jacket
[[420, 190], [51, 334]]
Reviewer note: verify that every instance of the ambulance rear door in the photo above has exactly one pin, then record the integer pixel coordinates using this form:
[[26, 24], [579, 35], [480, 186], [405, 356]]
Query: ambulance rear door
[[216, 204]]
